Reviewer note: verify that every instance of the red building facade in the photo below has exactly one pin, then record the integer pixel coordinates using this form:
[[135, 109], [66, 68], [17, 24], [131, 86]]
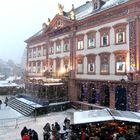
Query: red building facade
[[97, 45]]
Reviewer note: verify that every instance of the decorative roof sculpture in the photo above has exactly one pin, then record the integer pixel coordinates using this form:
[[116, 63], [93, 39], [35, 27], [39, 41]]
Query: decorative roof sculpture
[[72, 13], [60, 9]]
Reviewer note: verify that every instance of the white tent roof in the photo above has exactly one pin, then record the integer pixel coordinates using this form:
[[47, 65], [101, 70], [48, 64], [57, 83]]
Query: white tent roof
[[4, 84], [104, 115]]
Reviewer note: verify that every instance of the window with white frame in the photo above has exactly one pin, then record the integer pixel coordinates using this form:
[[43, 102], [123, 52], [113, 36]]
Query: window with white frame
[[105, 40], [104, 67], [120, 67], [91, 67], [91, 42], [66, 47], [80, 45], [34, 53], [58, 48], [120, 37], [80, 66], [51, 50]]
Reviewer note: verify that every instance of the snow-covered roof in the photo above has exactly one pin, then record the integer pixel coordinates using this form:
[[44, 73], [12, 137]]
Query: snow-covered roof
[[53, 84], [104, 115], [111, 3], [12, 78], [29, 102], [7, 84], [86, 9], [83, 10]]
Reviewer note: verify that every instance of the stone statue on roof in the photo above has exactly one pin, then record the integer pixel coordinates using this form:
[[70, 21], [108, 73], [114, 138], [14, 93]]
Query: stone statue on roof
[[60, 9], [48, 21], [72, 13]]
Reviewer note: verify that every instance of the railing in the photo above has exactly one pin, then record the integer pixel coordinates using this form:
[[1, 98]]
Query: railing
[[15, 122]]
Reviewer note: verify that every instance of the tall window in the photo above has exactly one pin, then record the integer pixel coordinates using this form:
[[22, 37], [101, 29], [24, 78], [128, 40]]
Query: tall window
[[44, 51], [91, 67], [105, 40], [104, 67], [91, 39], [80, 66], [120, 33], [120, 37], [80, 45], [91, 43], [66, 44], [66, 47], [34, 52], [91, 63], [104, 36], [38, 66], [80, 42], [120, 64], [58, 48], [39, 51], [51, 50]]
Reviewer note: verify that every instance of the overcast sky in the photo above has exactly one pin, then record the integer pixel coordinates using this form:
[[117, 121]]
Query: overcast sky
[[21, 19]]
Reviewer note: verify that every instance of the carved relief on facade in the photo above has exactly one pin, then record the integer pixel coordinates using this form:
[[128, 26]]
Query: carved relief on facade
[[104, 63]]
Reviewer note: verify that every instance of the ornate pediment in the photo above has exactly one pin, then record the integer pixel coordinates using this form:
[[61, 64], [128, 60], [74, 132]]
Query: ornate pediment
[[59, 22]]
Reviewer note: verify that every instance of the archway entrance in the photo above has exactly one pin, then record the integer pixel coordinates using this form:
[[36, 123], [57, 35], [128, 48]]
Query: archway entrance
[[120, 98], [105, 96], [92, 94]]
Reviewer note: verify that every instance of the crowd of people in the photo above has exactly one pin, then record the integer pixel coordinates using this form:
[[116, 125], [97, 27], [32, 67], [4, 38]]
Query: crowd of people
[[29, 134], [83, 132]]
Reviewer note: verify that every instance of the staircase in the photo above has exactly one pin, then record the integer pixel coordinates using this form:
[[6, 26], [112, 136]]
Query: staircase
[[21, 107]]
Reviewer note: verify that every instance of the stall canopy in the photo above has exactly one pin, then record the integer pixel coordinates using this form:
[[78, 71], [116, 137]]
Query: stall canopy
[[81, 117]]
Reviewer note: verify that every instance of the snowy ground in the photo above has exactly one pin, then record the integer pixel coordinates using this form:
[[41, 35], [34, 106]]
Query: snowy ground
[[12, 122]]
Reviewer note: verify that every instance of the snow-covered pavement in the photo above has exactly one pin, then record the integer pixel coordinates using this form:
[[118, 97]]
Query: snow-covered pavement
[[12, 122]]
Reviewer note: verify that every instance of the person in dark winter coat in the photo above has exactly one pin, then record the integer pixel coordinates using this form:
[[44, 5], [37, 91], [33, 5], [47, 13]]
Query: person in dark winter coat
[[57, 126], [46, 135], [24, 131], [33, 134], [47, 127]]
